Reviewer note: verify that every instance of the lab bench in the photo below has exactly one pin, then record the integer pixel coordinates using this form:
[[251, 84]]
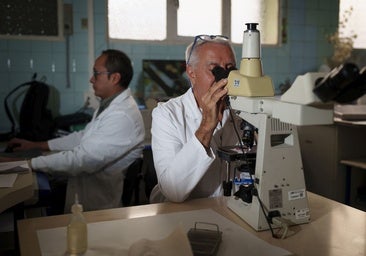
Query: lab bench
[[323, 148]]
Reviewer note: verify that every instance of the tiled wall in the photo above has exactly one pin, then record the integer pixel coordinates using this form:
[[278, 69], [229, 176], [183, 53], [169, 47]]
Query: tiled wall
[[305, 50]]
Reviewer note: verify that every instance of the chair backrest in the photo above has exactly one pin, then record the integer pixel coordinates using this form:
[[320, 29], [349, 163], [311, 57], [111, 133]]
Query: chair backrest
[[148, 171], [35, 120], [131, 186]]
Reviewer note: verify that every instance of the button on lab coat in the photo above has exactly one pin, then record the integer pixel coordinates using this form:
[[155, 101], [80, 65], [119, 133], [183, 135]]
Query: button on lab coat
[[95, 159]]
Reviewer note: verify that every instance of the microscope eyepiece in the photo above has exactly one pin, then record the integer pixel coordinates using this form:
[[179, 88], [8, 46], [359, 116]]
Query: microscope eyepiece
[[336, 81], [220, 72], [251, 26]]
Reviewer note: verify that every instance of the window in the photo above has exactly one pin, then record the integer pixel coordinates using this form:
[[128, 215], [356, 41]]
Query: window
[[265, 13], [137, 20], [351, 21], [192, 20], [175, 20]]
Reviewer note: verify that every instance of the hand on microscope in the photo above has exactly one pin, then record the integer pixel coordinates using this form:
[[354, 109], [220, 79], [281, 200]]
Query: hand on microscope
[[212, 105]]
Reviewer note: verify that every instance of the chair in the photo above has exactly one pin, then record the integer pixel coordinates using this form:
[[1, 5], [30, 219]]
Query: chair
[[35, 119], [131, 185], [148, 172]]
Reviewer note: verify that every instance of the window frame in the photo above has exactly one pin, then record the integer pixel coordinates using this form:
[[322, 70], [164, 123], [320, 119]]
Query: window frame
[[172, 33]]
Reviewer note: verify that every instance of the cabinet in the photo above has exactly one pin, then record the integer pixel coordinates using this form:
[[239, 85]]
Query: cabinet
[[322, 149]]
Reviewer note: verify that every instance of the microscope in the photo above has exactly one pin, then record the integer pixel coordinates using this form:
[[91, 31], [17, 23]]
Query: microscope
[[269, 187]]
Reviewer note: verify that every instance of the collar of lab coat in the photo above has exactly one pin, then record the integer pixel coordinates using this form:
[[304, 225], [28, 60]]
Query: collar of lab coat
[[117, 100], [123, 95]]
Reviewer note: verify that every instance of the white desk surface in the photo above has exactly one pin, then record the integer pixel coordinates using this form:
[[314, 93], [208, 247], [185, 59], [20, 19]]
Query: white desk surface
[[335, 229]]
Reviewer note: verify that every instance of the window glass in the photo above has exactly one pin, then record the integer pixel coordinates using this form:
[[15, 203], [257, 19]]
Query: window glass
[[352, 21], [137, 20], [199, 17], [173, 20], [264, 12]]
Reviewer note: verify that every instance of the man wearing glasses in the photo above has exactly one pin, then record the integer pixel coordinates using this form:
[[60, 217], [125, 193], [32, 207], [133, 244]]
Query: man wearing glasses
[[187, 130], [95, 159]]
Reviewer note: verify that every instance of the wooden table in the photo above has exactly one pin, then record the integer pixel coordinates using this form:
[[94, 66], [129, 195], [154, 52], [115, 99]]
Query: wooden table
[[335, 229], [14, 197], [22, 190], [25, 186]]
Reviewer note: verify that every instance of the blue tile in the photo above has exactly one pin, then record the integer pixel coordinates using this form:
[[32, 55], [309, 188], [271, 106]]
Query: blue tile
[[296, 17], [43, 62], [312, 4], [20, 61], [296, 4], [100, 6], [100, 27], [311, 33], [59, 46], [3, 45], [81, 63], [82, 83], [296, 33], [79, 43], [60, 61], [41, 46], [80, 5], [4, 61], [60, 81], [4, 85]]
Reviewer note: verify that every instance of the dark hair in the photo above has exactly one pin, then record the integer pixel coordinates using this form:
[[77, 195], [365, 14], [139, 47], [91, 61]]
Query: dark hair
[[118, 62]]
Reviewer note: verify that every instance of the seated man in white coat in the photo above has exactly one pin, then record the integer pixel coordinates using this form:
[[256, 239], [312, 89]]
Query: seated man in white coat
[[187, 130], [95, 159]]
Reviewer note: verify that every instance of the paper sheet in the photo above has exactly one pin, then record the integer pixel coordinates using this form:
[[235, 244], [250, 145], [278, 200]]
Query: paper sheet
[[115, 237], [177, 244], [16, 166], [9, 172]]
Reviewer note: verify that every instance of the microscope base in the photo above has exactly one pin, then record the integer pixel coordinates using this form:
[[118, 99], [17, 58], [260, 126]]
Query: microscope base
[[252, 214]]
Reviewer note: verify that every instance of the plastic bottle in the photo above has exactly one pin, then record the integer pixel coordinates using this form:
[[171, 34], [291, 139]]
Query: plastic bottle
[[77, 233]]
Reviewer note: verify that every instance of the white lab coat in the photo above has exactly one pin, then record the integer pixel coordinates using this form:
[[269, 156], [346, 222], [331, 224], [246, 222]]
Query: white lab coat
[[95, 159], [184, 169]]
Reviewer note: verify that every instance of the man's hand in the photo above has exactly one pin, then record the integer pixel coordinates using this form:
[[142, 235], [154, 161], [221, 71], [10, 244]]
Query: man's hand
[[9, 159], [213, 105], [17, 144]]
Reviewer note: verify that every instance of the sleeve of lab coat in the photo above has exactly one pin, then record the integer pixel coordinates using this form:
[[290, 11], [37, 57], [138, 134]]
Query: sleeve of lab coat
[[108, 140], [180, 163], [67, 142]]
